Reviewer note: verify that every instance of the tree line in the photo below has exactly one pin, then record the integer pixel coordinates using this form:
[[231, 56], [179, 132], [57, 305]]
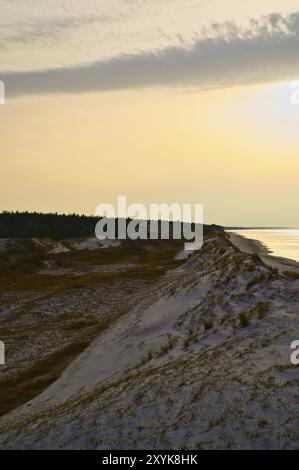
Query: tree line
[[36, 224], [57, 226]]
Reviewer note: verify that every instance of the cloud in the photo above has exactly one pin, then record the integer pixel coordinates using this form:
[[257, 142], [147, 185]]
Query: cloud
[[268, 50], [51, 29]]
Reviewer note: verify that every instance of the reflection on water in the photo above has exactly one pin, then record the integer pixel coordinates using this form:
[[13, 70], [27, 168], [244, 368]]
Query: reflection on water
[[280, 242]]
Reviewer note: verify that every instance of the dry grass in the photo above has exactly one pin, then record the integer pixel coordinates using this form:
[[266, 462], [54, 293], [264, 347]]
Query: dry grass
[[208, 323], [167, 346], [244, 318], [24, 385], [19, 276], [291, 274], [191, 338], [262, 308], [255, 280]]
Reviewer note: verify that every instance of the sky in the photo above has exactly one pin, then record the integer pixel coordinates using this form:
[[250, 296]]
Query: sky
[[163, 101]]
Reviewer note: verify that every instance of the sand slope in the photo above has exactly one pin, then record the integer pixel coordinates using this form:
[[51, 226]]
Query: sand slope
[[202, 361]]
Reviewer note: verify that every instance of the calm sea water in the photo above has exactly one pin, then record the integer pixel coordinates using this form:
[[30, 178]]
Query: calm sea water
[[281, 242]]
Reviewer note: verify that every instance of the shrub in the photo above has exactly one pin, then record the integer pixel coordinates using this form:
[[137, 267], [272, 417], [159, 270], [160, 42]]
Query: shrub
[[148, 357], [208, 323], [291, 274], [190, 339], [244, 318], [254, 280], [166, 347], [262, 308]]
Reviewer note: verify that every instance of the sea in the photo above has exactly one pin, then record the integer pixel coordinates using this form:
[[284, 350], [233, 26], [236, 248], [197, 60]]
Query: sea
[[280, 242]]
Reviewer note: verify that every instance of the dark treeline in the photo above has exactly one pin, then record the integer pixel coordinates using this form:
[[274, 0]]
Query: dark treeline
[[56, 226], [35, 224]]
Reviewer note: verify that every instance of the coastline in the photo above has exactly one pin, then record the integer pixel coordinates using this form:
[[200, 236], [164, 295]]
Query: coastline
[[255, 247]]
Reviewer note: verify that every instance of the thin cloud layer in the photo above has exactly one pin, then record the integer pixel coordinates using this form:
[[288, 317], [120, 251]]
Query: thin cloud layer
[[227, 56], [51, 28]]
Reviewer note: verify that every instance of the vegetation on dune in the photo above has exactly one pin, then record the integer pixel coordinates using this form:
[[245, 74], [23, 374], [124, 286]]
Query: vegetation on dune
[[176, 357], [291, 274], [67, 300], [35, 224], [55, 226]]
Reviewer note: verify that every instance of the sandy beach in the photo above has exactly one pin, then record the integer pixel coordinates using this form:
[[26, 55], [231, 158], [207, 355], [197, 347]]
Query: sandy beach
[[250, 246]]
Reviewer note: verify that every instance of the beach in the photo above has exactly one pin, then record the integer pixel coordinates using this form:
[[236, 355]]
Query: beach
[[251, 246]]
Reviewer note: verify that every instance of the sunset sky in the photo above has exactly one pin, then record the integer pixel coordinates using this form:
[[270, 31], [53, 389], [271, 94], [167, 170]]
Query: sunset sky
[[160, 100]]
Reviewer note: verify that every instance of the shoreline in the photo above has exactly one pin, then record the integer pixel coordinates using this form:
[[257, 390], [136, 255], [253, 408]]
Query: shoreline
[[256, 247]]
